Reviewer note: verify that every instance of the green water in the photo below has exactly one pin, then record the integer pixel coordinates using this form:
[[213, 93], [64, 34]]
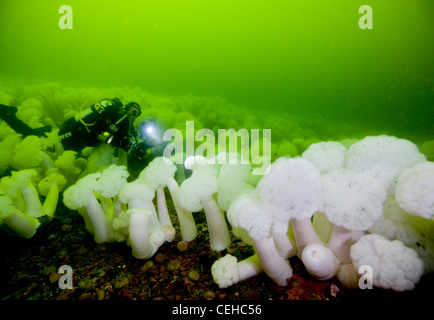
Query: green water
[[305, 58]]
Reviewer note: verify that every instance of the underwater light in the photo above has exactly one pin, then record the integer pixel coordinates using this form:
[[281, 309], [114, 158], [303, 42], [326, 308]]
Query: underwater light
[[150, 132], [149, 129]]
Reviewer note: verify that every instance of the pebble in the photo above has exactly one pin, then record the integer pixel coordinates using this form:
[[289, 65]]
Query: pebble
[[230, 250], [334, 290], [121, 282], [182, 246], [86, 296], [173, 265], [54, 277], [86, 284], [65, 294], [222, 296], [208, 295], [159, 257], [148, 265], [100, 295], [49, 270], [194, 275]]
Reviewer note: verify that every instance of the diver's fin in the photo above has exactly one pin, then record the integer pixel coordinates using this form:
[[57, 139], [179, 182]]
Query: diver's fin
[[7, 110], [8, 115]]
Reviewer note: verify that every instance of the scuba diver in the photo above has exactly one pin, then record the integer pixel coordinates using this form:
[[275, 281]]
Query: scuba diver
[[108, 121]]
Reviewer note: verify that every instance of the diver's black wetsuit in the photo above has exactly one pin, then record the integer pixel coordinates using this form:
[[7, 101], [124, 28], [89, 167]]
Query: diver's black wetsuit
[[108, 121], [76, 134]]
